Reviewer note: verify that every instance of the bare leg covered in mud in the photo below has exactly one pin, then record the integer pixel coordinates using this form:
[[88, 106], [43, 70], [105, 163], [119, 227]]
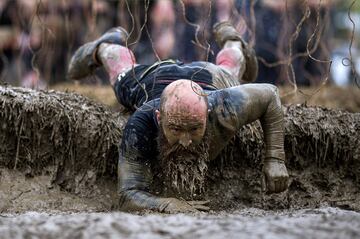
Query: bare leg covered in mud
[[116, 60], [236, 56], [232, 59]]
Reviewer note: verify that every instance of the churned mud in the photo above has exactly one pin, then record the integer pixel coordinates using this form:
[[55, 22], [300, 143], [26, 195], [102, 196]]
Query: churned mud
[[327, 223], [58, 161]]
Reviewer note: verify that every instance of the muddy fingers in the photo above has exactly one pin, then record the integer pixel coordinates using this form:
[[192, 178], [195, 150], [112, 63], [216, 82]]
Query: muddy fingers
[[173, 205], [275, 176]]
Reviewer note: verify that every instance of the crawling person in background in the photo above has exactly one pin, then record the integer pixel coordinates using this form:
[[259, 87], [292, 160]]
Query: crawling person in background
[[184, 115]]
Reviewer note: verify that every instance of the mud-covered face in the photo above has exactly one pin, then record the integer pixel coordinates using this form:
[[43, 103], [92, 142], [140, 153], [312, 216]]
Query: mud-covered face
[[183, 128], [183, 113]]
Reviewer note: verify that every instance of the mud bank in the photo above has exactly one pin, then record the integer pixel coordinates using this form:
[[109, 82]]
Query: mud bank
[[58, 151], [326, 223], [329, 96]]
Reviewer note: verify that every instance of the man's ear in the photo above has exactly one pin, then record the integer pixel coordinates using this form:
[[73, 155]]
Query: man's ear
[[157, 113]]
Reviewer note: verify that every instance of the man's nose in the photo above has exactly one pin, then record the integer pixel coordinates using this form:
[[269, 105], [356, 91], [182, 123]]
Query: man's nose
[[185, 140]]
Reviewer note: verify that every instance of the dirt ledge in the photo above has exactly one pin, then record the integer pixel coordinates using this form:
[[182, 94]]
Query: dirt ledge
[[45, 137]]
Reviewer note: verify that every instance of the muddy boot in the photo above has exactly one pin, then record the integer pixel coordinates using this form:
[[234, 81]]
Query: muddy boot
[[224, 31], [84, 60]]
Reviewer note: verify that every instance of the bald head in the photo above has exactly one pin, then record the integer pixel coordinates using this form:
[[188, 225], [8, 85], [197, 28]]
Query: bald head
[[183, 111], [184, 96]]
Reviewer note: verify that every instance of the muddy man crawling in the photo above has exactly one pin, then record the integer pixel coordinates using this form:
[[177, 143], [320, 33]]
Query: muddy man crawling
[[184, 115]]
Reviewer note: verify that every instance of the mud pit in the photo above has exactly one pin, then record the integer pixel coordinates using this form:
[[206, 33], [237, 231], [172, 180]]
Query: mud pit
[[324, 223], [46, 165]]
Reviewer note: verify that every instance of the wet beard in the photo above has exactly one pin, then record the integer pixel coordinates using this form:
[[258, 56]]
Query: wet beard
[[183, 170]]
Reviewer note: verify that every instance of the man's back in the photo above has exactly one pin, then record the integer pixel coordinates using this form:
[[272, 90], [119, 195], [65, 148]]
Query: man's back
[[145, 83]]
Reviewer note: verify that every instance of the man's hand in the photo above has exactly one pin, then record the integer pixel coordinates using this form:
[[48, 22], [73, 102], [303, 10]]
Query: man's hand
[[173, 205], [275, 176]]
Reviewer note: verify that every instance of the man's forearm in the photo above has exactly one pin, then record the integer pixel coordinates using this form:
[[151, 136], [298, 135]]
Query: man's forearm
[[262, 101], [134, 181], [272, 123]]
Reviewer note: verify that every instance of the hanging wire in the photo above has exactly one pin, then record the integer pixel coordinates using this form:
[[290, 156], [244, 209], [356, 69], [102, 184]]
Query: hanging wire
[[294, 36], [198, 43], [348, 61], [198, 27], [43, 36], [311, 46], [252, 24], [142, 86], [329, 61]]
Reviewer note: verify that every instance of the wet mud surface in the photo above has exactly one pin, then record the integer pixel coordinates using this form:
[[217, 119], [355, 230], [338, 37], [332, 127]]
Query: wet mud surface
[[58, 157], [320, 223]]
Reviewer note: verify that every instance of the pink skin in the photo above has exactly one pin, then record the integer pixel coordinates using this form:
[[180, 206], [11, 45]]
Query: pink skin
[[116, 59], [185, 113], [228, 58]]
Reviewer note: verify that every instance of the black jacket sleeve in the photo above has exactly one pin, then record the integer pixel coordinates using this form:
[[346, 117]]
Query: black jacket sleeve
[[138, 150], [244, 104]]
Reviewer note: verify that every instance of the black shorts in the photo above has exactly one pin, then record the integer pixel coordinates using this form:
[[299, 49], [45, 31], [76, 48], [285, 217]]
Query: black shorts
[[144, 83]]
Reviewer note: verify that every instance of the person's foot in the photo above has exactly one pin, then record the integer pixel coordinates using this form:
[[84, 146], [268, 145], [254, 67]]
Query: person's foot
[[223, 32], [84, 61]]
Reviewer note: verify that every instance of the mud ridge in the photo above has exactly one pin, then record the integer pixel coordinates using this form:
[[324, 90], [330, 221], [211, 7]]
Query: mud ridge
[[65, 144]]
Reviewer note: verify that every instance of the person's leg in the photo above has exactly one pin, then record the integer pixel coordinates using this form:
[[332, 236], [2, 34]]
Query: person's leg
[[86, 59], [230, 66], [232, 59], [236, 56], [108, 51], [116, 60]]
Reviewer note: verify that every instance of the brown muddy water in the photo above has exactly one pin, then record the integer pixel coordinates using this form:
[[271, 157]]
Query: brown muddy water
[[34, 208], [325, 222]]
